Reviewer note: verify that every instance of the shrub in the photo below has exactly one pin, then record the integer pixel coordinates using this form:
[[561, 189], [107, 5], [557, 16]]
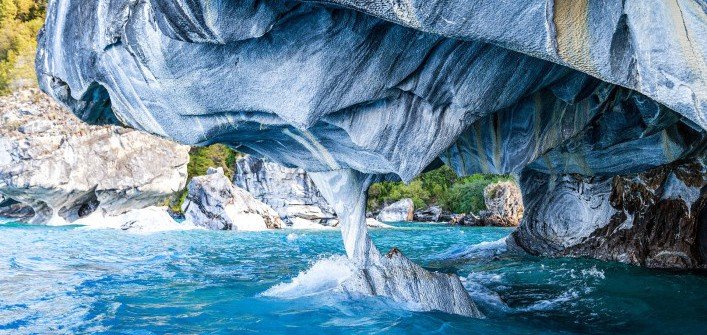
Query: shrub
[[217, 155], [467, 195]]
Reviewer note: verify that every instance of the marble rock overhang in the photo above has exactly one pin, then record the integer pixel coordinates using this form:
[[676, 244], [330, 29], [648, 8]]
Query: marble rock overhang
[[390, 87]]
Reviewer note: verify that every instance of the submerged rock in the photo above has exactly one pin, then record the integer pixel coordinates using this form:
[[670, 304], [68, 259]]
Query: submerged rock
[[215, 203], [401, 210], [66, 170], [504, 205], [373, 223], [288, 191], [656, 219]]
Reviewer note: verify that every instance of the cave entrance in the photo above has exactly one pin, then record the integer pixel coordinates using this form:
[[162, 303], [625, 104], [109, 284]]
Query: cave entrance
[[439, 195]]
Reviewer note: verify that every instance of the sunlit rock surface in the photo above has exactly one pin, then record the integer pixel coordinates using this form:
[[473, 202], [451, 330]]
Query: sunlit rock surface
[[385, 88], [401, 210], [65, 170], [288, 191], [139, 220], [213, 202], [504, 205]]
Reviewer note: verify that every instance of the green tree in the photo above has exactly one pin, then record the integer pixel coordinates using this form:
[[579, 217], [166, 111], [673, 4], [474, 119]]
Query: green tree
[[20, 20], [439, 187]]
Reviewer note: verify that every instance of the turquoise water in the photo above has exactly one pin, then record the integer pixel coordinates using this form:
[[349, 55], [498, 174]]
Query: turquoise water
[[76, 280]]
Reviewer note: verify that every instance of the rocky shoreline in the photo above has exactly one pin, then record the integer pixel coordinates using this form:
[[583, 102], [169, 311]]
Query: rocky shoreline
[[59, 170]]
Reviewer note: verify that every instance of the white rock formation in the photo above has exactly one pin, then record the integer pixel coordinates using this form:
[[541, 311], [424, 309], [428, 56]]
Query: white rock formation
[[289, 191], [65, 169], [401, 210], [373, 223], [215, 203]]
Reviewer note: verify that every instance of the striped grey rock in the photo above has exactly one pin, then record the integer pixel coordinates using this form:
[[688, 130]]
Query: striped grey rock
[[655, 219], [288, 191], [362, 90], [10, 208], [213, 202]]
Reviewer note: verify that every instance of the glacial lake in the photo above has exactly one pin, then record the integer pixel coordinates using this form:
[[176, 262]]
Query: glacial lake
[[71, 279]]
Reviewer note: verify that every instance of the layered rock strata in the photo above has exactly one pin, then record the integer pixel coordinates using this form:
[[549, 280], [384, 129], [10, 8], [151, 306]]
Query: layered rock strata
[[65, 170], [655, 219]]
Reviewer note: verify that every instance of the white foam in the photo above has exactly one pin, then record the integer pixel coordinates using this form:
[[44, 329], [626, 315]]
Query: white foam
[[300, 223], [548, 304], [143, 221], [594, 272], [326, 275], [483, 249], [481, 294]]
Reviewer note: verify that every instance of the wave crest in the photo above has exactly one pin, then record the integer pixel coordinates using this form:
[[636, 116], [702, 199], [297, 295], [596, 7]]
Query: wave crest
[[326, 275]]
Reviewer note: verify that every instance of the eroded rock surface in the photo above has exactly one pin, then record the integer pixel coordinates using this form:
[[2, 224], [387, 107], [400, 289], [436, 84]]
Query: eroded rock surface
[[288, 191], [215, 203], [65, 170], [654, 219]]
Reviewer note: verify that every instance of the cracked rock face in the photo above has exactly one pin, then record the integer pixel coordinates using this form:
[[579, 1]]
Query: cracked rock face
[[386, 88], [65, 170], [504, 205]]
